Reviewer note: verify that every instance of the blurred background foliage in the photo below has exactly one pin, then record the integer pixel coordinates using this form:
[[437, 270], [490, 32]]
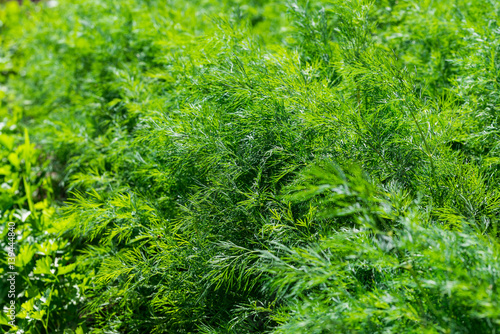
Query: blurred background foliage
[[251, 166]]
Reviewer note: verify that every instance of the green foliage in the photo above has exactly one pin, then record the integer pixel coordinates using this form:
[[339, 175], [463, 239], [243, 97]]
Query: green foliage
[[253, 166], [414, 278], [48, 287]]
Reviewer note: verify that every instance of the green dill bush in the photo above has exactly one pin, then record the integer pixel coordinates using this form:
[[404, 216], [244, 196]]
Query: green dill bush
[[257, 166]]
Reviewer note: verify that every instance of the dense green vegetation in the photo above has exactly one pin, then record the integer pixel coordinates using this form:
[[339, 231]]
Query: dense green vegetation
[[251, 166]]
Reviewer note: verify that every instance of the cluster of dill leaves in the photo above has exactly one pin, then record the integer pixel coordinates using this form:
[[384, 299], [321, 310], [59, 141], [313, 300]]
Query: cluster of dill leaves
[[251, 166]]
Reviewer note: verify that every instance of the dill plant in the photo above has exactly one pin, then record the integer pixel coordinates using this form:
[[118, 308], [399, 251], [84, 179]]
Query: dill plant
[[259, 166]]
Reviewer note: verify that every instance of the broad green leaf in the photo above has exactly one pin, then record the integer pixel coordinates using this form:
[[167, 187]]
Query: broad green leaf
[[43, 266], [25, 255], [61, 270]]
